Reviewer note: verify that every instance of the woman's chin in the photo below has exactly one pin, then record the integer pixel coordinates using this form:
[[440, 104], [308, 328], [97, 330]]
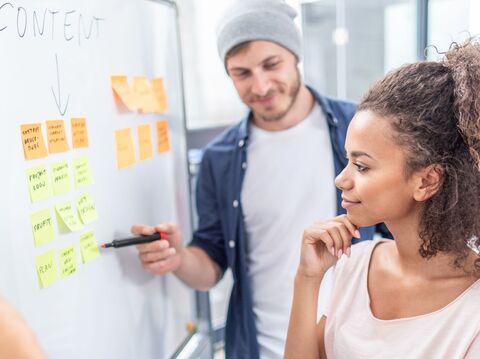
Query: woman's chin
[[361, 221]]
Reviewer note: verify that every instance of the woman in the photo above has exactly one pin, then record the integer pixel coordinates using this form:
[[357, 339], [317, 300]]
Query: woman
[[413, 162]]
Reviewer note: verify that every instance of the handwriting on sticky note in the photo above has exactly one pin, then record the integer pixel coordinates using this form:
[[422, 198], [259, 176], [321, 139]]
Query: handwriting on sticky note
[[145, 94], [88, 247], [145, 141], [32, 140], [60, 177], [81, 172], [86, 208], [56, 137], [79, 133], [125, 93], [163, 141], [68, 216], [38, 183], [46, 269], [42, 227], [68, 262], [124, 148], [160, 94]]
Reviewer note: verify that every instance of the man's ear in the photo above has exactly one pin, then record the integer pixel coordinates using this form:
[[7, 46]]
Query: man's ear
[[427, 182]]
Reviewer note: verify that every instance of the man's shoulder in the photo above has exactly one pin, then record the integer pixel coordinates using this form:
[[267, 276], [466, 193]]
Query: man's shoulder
[[342, 110], [227, 141]]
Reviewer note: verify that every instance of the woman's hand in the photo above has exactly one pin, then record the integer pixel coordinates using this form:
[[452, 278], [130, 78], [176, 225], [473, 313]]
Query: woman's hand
[[324, 243]]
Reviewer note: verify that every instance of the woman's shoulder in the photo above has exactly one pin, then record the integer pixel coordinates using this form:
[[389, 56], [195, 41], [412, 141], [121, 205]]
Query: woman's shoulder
[[360, 255]]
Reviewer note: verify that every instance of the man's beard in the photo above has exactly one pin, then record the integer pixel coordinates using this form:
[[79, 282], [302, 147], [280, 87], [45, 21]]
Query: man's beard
[[292, 96]]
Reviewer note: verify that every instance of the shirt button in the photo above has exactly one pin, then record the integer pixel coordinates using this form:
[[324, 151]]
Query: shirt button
[[335, 120], [231, 244], [235, 204], [241, 143], [244, 165]]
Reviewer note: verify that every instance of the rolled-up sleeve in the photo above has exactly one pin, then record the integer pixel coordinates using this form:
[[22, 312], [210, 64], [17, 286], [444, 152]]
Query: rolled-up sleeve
[[209, 235]]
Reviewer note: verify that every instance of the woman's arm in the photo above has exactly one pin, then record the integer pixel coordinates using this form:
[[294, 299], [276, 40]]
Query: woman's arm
[[16, 339]]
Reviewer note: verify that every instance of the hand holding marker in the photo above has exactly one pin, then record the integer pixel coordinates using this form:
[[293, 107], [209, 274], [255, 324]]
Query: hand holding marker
[[134, 240]]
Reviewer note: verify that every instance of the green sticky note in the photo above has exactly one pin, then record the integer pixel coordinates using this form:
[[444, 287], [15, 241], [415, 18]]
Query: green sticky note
[[88, 247], [46, 269], [60, 177], [86, 208], [42, 227], [82, 172], [38, 183], [68, 216], [68, 262]]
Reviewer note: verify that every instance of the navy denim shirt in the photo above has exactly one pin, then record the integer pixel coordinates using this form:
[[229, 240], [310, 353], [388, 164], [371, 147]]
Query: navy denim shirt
[[221, 229]]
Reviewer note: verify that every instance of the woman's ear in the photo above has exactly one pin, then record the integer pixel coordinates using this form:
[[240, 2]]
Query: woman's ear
[[428, 181]]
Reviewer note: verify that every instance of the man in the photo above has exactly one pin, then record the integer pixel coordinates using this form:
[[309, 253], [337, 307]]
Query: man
[[261, 182]]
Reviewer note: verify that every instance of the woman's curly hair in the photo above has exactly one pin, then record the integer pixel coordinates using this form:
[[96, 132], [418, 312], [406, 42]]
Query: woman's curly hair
[[435, 109]]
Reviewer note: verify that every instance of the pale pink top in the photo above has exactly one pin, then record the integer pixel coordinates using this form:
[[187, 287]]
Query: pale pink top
[[353, 332]]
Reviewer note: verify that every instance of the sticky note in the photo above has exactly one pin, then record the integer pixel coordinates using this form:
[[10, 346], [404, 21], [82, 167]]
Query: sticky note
[[86, 208], [68, 217], [81, 172], [147, 101], [42, 227], [68, 262], [38, 183], [124, 92], [145, 141], [60, 177], [56, 137], [124, 147], [46, 269], [163, 142], [32, 140], [160, 94], [79, 132], [88, 247]]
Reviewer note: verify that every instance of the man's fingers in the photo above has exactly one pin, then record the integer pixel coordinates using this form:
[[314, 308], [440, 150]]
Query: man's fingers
[[142, 229]]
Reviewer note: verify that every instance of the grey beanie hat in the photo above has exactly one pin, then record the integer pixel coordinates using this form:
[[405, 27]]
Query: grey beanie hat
[[249, 20]]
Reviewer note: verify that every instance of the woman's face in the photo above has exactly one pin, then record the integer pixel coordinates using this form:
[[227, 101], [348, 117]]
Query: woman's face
[[374, 183]]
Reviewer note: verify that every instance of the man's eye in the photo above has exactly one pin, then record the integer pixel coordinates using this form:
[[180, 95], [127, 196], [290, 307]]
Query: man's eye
[[271, 65]]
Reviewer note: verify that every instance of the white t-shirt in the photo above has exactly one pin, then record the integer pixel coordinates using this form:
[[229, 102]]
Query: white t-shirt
[[289, 184], [352, 332]]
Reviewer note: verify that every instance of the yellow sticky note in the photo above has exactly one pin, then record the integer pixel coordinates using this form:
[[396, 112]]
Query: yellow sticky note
[[146, 97], [46, 269], [86, 208], [38, 183], [163, 141], [42, 227], [56, 137], [68, 217], [68, 262], [81, 171], [32, 140], [124, 92], [124, 144], [145, 141], [79, 133], [88, 247], [160, 94], [60, 177]]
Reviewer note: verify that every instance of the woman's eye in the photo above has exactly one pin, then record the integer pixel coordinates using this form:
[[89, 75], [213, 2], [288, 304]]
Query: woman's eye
[[360, 168]]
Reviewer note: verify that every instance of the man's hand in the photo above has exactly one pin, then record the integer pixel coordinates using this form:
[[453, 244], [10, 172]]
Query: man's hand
[[162, 256]]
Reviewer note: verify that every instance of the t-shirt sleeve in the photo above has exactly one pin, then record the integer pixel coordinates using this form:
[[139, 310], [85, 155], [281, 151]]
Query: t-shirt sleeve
[[473, 351], [324, 293], [209, 235]]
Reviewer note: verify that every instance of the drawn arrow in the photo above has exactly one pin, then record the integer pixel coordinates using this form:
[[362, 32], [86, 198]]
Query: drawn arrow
[[59, 100]]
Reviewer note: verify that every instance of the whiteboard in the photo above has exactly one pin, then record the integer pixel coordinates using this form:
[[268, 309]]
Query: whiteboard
[[56, 63]]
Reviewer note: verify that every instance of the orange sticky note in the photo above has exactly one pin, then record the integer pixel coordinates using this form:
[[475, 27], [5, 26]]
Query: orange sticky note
[[146, 97], [79, 133], [160, 94], [145, 141], [56, 137], [124, 144], [163, 141], [123, 90], [32, 140]]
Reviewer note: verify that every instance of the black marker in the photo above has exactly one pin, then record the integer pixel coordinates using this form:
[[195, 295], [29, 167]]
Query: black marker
[[134, 240]]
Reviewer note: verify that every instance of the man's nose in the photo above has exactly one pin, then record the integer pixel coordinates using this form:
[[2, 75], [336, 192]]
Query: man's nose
[[261, 84]]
